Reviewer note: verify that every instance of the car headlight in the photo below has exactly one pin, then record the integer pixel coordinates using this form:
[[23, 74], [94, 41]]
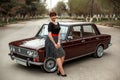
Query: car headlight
[[30, 53], [12, 48], [35, 55]]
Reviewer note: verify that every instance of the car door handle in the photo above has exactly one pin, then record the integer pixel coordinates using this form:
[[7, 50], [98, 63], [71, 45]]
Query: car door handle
[[83, 41], [97, 38]]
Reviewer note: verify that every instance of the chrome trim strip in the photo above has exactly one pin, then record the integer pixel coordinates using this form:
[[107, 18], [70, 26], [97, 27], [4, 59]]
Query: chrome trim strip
[[29, 62], [35, 63], [109, 44], [21, 61], [78, 56]]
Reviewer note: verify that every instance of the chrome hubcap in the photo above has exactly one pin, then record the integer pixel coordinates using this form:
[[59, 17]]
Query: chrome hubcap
[[100, 51], [50, 64]]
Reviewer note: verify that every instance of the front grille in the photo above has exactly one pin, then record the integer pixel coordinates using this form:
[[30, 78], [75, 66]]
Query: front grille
[[22, 56], [23, 51], [20, 50]]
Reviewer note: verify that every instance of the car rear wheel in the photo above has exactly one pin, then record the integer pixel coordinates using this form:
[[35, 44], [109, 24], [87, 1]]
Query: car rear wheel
[[99, 52], [50, 65]]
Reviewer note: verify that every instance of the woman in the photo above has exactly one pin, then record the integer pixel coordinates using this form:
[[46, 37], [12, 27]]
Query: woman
[[52, 44]]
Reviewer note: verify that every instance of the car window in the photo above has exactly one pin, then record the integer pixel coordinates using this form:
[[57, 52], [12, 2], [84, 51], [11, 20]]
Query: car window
[[63, 32], [75, 32], [88, 31], [44, 32]]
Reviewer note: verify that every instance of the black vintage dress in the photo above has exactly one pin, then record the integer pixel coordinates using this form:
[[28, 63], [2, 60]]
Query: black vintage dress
[[51, 51]]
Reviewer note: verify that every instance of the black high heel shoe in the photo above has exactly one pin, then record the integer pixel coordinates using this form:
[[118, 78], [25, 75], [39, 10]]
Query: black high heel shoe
[[65, 75], [58, 73]]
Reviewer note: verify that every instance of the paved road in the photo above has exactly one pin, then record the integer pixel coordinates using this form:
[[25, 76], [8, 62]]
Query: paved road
[[86, 68]]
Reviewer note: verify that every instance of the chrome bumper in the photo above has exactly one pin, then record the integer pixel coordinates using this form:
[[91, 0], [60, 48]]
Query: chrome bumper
[[24, 62], [109, 44]]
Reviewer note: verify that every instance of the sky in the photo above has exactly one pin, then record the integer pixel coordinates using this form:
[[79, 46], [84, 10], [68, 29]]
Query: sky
[[51, 3]]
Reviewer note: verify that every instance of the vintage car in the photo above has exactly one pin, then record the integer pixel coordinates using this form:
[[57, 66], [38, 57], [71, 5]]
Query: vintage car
[[77, 38]]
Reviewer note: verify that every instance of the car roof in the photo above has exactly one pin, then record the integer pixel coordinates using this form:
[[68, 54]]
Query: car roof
[[72, 23]]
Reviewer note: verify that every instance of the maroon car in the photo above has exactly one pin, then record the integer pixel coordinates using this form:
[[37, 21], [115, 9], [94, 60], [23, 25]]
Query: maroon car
[[77, 38]]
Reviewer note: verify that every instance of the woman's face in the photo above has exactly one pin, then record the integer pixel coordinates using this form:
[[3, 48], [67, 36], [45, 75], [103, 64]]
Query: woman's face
[[53, 18]]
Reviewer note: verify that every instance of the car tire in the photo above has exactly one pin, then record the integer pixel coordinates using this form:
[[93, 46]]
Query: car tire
[[50, 65], [99, 52]]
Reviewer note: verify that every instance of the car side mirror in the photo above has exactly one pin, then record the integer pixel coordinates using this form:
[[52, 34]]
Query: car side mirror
[[70, 37]]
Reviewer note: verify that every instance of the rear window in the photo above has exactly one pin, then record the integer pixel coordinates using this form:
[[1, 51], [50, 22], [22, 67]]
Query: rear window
[[88, 31]]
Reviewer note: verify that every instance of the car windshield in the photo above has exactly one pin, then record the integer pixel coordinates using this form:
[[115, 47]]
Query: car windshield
[[44, 32]]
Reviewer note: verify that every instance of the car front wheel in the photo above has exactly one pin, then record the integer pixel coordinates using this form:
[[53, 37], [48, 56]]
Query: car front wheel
[[50, 65], [99, 51]]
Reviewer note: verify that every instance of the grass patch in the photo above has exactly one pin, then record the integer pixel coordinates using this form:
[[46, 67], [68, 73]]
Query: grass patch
[[109, 23]]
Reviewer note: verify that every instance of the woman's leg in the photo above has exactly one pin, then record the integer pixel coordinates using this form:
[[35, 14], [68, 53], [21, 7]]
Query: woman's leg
[[62, 60], [60, 67]]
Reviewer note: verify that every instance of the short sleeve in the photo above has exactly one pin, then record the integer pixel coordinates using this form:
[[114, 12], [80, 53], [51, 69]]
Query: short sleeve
[[49, 27]]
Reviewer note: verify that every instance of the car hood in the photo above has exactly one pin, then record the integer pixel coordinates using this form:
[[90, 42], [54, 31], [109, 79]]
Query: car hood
[[34, 43]]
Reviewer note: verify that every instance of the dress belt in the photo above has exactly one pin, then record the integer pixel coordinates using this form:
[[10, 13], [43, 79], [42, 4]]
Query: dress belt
[[54, 34]]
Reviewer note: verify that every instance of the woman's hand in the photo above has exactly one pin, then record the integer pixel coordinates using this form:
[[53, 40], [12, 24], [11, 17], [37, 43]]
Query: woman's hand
[[57, 46]]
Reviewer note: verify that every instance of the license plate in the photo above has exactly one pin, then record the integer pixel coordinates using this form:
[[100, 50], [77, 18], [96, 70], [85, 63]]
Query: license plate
[[21, 62]]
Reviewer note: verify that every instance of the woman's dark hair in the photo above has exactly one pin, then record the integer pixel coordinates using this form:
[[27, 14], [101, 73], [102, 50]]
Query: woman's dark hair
[[52, 13]]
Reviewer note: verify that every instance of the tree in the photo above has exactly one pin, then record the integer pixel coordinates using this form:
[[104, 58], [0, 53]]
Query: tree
[[60, 8], [77, 7], [33, 7], [116, 6], [8, 8], [41, 8], [90, 7]]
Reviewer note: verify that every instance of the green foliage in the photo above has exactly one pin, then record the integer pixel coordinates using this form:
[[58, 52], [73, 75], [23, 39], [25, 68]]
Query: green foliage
[[12, 10], [78, 7], [32, 8], [41, 8], [90, 7], [8, 6], [60, 8], [13, 7]]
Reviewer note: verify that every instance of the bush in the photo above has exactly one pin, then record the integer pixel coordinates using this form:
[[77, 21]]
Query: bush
[[116, 23], [14, 20], [2, 24]]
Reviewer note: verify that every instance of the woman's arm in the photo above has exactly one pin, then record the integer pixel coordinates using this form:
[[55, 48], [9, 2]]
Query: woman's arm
[[58, 38], [58, 43]]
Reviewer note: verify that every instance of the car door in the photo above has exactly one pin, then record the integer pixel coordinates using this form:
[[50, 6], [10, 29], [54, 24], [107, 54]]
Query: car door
[[89, 38], [74, 46]]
